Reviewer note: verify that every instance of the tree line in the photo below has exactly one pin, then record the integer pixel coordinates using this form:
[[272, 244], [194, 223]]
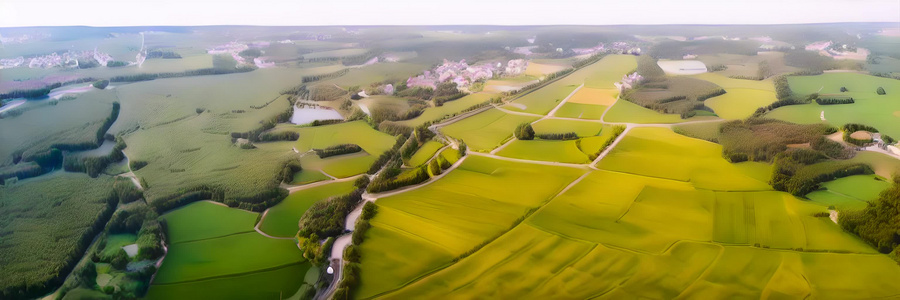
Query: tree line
[[43, 91], [879, 222], [801, 171], [350, 278], [338, 150], [198, 72]]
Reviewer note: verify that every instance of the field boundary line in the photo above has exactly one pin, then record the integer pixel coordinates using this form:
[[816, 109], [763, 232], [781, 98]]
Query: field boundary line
[[561, 103], [236, 274], [211, 238]]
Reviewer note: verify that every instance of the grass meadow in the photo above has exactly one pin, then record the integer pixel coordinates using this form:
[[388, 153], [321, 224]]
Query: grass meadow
[[425, 153], [204, 220], [545, 150]]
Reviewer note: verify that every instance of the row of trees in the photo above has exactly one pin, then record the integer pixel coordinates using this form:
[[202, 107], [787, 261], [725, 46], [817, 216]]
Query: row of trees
[[558, 136], [279, 136], [43, 91], [338, 150], [290, 167], [311, 78], [832, 101], [94, 165], [326, 218], [198, 72], [163, 54]]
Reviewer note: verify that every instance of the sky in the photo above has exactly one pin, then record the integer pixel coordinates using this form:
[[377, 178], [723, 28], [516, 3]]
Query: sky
[[19, 13]]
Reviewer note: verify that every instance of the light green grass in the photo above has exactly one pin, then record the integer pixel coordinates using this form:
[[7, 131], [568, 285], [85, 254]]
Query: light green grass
[[308, 176], [545, 150], [274, 284], [879, 111], [582, 129], [851, 192], [449, 108], [628, 112], [440, 221], [425, 153], [581, 111], [335, 53], [225, 256], [204, 220], [115, 242], [740, 103], [486, 130], [884, 165], [282, 219], [451, 155], [373, 143]]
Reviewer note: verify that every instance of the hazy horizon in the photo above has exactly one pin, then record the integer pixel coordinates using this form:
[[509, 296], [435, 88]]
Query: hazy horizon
[[30, 13]]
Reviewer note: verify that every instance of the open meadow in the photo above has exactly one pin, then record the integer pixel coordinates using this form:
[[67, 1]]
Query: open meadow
[[486, 130]]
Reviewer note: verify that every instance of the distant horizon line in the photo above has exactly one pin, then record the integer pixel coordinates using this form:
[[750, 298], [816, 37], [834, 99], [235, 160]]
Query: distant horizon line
[[460, 25]]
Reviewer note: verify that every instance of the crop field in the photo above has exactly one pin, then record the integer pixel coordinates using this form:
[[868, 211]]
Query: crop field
[[335, 53], [375, 73], [705, 131], [257, 285], [373, 142], [230, 258], [740, 103], [731, 83], [883, 165], [582, 129], [626, 111], [851, 192], [43, 219], [659, 152], [425, 153], [604, 97], [449, 108], [580, 111], [308, 176], [486, 130], [508, 84], [545, 150], [537, 69], [204, 219], [436, 223], [282, 219], [616, 235], [74, 121], [593, 144], [451, 155], [870, 108], [748, 65], [599, 75]]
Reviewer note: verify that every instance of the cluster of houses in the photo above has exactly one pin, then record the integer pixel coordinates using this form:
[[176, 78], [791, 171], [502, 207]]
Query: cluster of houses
[[234, 49], [628, 81], [52, 60], [464, 74]]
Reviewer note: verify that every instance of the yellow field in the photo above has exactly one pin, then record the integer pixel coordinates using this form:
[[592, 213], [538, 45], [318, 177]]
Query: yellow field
[[594, 96], [543, 150]]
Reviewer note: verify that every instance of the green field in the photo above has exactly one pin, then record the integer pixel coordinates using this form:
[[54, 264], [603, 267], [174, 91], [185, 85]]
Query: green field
[[335, 53], [601, 74], [373, 143], [204, 220], [436, 223], [879, 111], [705, 131], [308, 176], [214, 249], [545, 150], [851, 192], [114, 242], [626, 111], [581, 111], [486, 130], [740, 103], [425, 153], [449, 108], [582, 129], [883, 165], [282, 219]]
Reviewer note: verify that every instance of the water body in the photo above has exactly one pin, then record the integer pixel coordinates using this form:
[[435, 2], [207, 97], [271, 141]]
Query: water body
[[307, 115]]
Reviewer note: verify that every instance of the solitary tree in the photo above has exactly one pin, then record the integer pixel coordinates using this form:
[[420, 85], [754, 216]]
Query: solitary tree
[[843, 89], [880, 91], [524, 132]]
